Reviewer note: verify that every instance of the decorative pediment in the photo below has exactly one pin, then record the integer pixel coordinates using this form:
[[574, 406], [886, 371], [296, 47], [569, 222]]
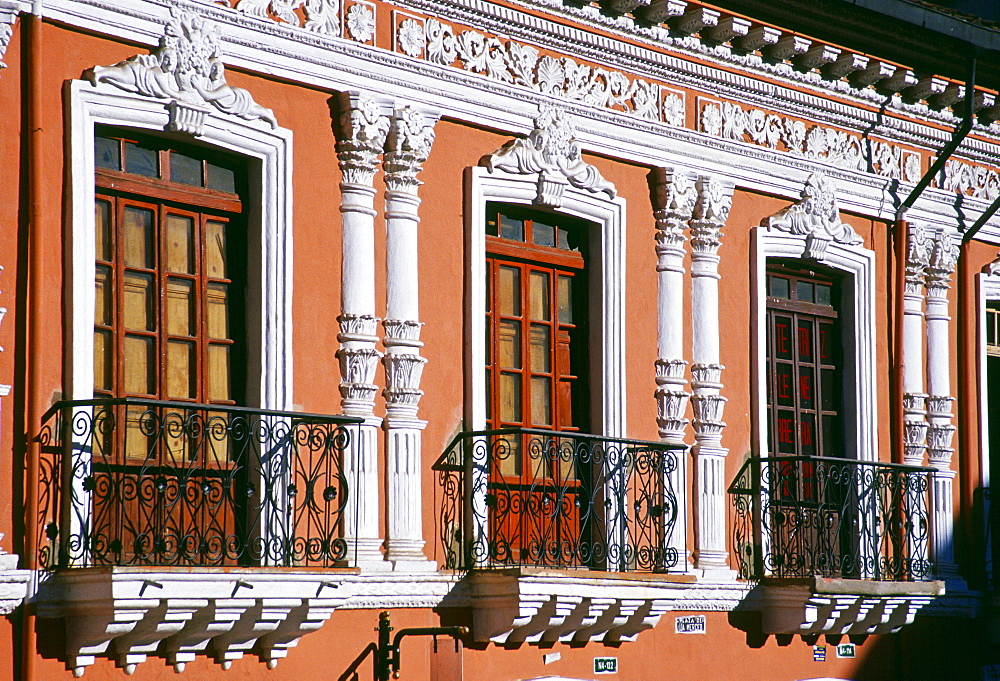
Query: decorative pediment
[[187, 71], [815, 216], [551, 151]]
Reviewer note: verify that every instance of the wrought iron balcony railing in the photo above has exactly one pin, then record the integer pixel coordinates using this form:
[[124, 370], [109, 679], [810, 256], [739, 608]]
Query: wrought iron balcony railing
[[525, 497], [151, 483], [800, 516]]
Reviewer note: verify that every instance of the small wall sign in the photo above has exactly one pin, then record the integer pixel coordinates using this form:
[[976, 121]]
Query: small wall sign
[[819, 653], [845, 650], [690, 624], [605, 665]]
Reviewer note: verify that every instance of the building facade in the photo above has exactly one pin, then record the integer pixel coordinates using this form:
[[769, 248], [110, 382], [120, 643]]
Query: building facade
[[632, 339]]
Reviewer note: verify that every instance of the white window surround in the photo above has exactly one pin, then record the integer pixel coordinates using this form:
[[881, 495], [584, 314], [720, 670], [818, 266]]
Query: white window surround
[[988, 285], [606, 292], [269, 152], [857, 314]]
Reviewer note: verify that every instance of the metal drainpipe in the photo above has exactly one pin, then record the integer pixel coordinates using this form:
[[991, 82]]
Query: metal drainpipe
[[32, 47]]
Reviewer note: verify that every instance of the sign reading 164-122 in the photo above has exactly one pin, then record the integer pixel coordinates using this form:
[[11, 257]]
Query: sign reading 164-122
[[605, 665]]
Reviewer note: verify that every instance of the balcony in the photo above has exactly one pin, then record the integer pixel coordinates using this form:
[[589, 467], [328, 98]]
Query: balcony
[[567, 536], [837, 545], [166, 526]]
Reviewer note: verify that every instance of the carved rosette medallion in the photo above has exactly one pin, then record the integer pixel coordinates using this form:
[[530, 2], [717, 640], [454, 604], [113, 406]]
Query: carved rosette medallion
[[552, 152], [187, 71], [816, 216]]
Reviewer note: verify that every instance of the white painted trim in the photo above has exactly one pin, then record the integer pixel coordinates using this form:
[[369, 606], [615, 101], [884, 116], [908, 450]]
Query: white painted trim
[[269, 230], [988, 288], [857, 313], [606, 292]]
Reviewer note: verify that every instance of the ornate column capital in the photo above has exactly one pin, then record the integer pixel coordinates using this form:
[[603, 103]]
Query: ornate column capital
[[364, 127], [674, 196], [407, 146], [711, 210], [918, 254], [941, 265]]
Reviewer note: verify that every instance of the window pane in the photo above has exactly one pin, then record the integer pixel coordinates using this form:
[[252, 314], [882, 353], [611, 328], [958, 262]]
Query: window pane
[[137, 443], [215, 250], [543, 234], [506, 452], [107, 153], [828, 344], [139, 365], [221, 179], [180, 307], [217, 304], [509, 344], [807, 430], [489, 341], [804, 291], [102, 229], [563, 238], [805, 341], [565, 299], [829, 398], [180, 369], [489, 394], [541, 401], [509, 291], [824, 294], [538, 295], [139, 302], [102, 360], [141, 161], [783, 383], [185, 169], [102, 297], [777, 286], [139, 238], [180, 244], [511, 228], [540, 348], [807, 394], [510, 398], [782, 337], [786, 431], [219, 388]]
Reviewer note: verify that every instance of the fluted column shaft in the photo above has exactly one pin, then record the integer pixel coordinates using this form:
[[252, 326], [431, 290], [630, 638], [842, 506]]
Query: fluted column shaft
[[710, 214], [364, 124], [407, 147]]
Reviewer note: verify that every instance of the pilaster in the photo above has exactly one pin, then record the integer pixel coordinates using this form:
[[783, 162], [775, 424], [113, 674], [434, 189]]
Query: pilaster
[[411, 135]]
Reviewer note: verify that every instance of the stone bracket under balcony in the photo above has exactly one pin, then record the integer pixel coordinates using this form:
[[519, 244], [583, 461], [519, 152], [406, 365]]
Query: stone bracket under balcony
[[819, 605], [129, 614], [13, 583], [536, 605]]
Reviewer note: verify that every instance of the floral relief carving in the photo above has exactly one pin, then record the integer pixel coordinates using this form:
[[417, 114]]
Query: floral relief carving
[[364, 128], [410, 37], [964, 178], [186, 69], [815, 216], [360, 22], [551, 151], [674, 109], [511, 62], [322, 16]]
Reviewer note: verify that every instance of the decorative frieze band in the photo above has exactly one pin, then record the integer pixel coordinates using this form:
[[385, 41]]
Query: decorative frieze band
[[976, 181], [321, 16]]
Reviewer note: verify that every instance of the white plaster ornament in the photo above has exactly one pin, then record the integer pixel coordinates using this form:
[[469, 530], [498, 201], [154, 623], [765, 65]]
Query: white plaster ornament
[[815, 216]]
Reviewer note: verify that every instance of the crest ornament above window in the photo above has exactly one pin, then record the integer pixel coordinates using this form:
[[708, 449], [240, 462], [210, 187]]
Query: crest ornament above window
[[815, 216], [187, 70], [551, 150]]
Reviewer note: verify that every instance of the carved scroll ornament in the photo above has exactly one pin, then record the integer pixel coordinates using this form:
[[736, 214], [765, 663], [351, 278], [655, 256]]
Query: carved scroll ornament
[[186, 69], [816, 217], [551, 151]]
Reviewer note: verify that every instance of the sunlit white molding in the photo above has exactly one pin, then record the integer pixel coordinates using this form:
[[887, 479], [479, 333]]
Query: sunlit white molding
[[13, 582], [857, 313], [987, 290]]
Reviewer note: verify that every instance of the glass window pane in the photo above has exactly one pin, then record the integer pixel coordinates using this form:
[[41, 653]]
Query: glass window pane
[[219, 387], [180, 244], [540, 348], [563, 238], [215, 249], [805, 340], [824, 294], [541, 401], [102, 360], [221, 179], [786, 431], [777, 286], [185, 169], [543, 234], [509, 344], [782, 337], [828, 387], [538, 295], [141, 160], [107, 153], [139, 365], [102, 229], [784, 385], [511, 228], [506, 451], [565, 294], [510, 398], [807, 434], [180, 307], [807, 388], [217, 304], [102, 297], [828, 344], [180, 369], [509, 291], [489, 341], [139, 302], [804, 291], [137, 443], [489, 394], [139, 237]]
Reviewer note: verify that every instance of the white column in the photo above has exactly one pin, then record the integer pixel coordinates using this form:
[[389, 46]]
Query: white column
[[710, 214], [914, 398], [944, 256], [675, 194], [407, 147], [364, 124]]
